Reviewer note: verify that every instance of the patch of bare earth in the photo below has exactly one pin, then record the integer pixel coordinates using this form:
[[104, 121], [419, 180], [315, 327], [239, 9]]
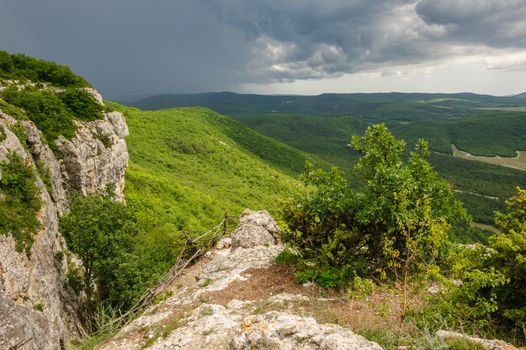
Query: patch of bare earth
[[375, 312]]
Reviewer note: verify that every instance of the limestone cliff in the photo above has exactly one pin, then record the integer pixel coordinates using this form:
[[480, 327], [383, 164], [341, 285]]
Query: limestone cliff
[[36, 305]]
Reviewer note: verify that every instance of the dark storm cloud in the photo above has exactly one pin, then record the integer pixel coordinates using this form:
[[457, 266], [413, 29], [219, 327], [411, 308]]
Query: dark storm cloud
[[127, 47], [495, 23]]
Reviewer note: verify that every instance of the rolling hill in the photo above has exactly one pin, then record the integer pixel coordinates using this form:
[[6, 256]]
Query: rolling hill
[[189, 165], [323, 126]]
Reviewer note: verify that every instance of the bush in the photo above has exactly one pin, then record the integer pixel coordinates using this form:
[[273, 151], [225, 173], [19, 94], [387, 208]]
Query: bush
[[101, 232], [22, 67], [397, 224], [45, 109], [81, 104], [286, 257], [510, 260]]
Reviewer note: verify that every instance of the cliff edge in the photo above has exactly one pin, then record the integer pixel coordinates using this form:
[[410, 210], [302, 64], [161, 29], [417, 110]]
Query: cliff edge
[[37, 308]]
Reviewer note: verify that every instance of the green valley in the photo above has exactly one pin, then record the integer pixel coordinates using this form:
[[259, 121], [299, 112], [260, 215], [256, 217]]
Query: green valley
[[189, 165], [323, 126]]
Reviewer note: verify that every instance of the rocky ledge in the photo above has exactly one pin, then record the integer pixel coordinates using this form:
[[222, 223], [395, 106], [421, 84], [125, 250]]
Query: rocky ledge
[[202, 311]]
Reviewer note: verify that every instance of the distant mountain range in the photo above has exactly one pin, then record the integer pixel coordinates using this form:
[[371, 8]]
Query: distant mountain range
[[361, 104]]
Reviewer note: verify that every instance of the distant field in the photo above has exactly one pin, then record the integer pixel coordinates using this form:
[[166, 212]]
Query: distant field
[[504, 109], [518, 162]]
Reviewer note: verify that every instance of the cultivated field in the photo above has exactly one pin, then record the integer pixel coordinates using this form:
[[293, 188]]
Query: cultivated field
[[518, 162]]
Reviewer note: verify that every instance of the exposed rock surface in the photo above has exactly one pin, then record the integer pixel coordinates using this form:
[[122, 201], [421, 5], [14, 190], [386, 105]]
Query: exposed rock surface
[[35, 303], [487, 344], [185, 321], [97, 156]]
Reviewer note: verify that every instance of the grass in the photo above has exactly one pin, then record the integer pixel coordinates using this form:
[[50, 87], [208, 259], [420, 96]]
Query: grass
[[189, 165]]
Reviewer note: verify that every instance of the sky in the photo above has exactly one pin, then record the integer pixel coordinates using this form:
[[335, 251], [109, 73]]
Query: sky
[[135, 48]]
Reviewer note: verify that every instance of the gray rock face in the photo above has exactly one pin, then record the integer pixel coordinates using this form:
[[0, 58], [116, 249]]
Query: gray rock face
[[275, 330], [97, 156], [256, 228], [36, 305]]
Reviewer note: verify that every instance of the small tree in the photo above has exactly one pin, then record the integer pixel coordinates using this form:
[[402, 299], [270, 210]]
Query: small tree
[[101, 232], [394, 227], [510, 259]]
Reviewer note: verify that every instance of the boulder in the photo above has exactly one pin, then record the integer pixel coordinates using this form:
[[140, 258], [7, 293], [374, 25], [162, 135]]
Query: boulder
[[256, 228], [488, 344]]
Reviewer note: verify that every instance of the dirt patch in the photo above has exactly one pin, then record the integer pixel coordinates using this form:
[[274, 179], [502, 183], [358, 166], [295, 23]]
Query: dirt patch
[[262, 284], [376, 312]]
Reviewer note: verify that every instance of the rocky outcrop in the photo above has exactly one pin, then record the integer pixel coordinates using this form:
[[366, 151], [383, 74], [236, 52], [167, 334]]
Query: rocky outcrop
[[97, 156], [255, 229], [187, 320], [37, 308], [275, 330], [487, 344]]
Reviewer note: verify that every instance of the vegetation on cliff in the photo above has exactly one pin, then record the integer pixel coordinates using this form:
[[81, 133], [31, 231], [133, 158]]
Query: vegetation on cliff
[[24, 68], [19, 201]]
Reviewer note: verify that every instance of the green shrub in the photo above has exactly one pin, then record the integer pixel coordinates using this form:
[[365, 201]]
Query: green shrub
[[286, 257], [463, 344], [11, 110], [332, 278], [45, 109], [2, 134], [510, 260], [21, 67], [45, 175], [305, 276], [20, 133], [81, 104], [361, 287], [101, 232], [396, 225], [19, 201], [185, 147]]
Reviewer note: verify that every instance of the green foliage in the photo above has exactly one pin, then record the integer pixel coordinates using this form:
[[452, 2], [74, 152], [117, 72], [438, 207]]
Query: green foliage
[[22, 67], [186, 169], [81, 104], [53, 114], [463, 344], [39, 307], [483, 291], [19, 201], [401, 218], [101, 232], [11, 110], [286, 257], [45, 109], [510, 259], [45, 175], [2, 134], [20, 133], [305, 275], [361, 288]]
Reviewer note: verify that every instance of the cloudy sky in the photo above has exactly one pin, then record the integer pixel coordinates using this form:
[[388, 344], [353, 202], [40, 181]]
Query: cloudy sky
[[138, 47]]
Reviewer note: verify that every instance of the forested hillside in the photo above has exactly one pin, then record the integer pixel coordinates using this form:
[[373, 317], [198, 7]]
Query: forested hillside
[[323, 126]]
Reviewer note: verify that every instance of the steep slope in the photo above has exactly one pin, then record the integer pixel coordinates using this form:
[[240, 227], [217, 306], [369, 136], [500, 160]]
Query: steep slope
[[189, 165], [38, 170]]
